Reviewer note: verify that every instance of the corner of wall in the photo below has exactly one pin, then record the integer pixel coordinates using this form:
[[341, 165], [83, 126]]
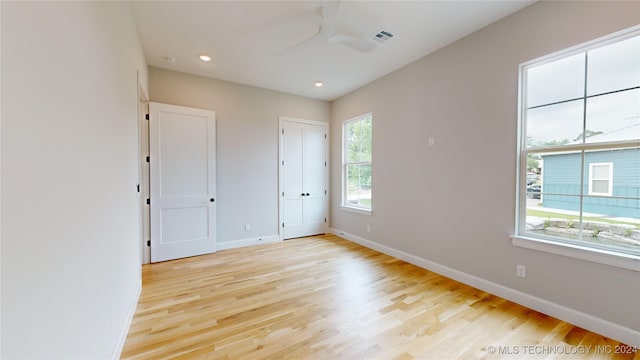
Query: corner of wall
[[124, 331]]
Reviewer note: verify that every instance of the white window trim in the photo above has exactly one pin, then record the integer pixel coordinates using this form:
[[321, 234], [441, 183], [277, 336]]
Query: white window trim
[[357, 210], [609, 179], [345, 205], [549, 245], [600, 256]]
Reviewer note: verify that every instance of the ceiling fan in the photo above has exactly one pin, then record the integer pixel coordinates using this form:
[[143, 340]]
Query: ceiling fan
[[327, 33]]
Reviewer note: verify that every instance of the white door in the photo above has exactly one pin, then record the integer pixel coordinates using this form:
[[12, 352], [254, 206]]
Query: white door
[[183, 174], [303, 177]]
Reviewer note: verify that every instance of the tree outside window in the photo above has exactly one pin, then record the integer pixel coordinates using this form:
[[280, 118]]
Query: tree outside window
[[357, 139]]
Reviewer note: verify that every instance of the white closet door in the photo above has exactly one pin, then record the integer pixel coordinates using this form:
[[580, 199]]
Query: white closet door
[[183, 188], [303, 178]]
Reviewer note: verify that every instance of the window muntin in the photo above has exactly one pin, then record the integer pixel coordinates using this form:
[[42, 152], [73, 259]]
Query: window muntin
[[357, 162], [580, 115]]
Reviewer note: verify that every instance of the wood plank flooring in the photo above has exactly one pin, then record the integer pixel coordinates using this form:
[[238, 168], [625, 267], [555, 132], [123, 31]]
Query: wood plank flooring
[[326, 298]]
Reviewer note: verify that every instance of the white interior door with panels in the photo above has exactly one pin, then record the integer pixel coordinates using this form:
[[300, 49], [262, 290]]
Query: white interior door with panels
[[182, 143], [303, 177]]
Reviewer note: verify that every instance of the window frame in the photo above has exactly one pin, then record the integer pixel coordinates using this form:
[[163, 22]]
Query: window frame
[[575, 249], [609, 179], [345, 163]]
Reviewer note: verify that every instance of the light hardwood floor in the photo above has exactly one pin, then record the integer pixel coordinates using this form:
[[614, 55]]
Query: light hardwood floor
[[326, 298]]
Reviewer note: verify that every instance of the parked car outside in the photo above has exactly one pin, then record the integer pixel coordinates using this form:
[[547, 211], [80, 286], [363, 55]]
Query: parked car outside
[[531, 178], [533, 191]]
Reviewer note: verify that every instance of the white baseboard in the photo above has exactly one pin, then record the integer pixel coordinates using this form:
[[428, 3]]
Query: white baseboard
[[122, 338], [614, 331], [224, 245]]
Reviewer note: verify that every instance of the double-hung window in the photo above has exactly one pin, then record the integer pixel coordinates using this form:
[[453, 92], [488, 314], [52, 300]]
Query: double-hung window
[[356, 163], [601, 179], [579, 128]]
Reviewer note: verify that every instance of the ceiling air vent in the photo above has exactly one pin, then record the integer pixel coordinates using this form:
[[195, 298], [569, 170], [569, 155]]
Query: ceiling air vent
[[382, 36]]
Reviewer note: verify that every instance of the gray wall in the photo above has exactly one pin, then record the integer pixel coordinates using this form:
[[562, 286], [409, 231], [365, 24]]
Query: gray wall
[[247, 144], [454, 203], [70, 247]]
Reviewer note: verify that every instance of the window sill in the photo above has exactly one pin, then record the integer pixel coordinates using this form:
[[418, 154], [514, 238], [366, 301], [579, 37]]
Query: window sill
[[624, 261], [357, 210]]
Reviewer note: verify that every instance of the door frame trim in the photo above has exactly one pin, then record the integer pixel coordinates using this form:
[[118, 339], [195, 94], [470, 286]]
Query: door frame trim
[[281, 120], [143, 175]]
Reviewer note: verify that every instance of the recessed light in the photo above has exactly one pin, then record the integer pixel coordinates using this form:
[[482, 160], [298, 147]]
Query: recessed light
[[318, 84], [204, 57]]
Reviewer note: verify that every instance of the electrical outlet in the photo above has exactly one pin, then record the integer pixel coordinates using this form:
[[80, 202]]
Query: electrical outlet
[[247, 227], [521, 271], [368, 228]]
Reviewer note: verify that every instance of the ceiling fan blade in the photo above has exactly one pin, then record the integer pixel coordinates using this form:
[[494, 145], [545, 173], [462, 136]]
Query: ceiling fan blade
[[315, 39], [361, 45], [327, 29], [327, 32], [329, 12]]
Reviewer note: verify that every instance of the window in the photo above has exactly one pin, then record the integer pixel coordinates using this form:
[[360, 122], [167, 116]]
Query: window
[[580, 131], [600, 179], [356, 171]]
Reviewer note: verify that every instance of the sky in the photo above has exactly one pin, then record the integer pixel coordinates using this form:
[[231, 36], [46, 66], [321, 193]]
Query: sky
[[610, 68]]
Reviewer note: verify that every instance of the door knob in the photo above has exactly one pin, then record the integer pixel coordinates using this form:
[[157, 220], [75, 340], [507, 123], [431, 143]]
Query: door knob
[[212, 200], [307, 194], [302, 194]]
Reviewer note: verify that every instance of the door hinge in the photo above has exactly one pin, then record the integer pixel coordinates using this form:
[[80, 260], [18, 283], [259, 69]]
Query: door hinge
[[325, 163], [282, 131], [148, 201], [325, 192], [282, 224], [146, 116], [325, 219], [148, 159], [283, 193], [138, 187], [282, 162], [325, 136], [148, 242]]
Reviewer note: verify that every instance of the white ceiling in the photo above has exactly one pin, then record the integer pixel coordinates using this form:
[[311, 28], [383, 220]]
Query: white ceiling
[[243, 37]]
